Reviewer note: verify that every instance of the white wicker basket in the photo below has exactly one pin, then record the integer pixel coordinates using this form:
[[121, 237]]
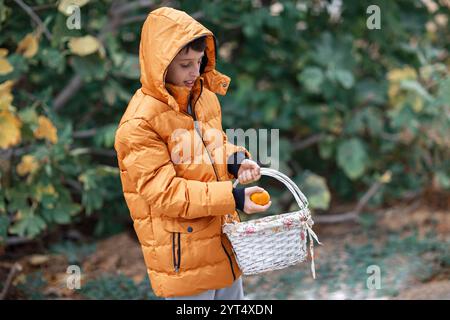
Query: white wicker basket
[[274, 242]]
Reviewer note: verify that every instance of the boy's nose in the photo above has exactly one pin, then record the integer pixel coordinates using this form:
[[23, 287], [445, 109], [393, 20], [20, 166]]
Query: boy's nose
[[195, 73]]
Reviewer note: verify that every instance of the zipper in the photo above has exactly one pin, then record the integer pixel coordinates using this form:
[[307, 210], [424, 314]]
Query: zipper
[[176, 251], [199, 133], [229, 259], [212, 163], [215, 171]]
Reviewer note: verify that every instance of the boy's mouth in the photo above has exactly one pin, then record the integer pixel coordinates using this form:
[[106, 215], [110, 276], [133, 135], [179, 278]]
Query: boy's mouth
[[189, 84]]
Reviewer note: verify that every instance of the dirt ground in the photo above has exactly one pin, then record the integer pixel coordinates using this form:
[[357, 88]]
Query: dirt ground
[[121, 254]]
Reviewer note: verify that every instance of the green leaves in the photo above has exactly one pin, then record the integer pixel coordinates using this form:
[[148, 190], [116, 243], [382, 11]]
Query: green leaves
[[312, 78], [345, 78], [352, 157], [120, 287], [90, 68], [4, 224], [128, 67], [373, 97], [315, 188], [29, 225], [62, 213], [105, 136], [94, 179]]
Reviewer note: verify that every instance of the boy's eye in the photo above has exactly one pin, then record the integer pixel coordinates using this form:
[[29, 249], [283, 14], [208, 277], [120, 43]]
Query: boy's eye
[[187, 65]]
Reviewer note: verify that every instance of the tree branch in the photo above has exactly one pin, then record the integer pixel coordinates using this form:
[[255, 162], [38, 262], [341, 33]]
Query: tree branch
[[14, 269], [96, 151], [303, 144], [84, 134], [353, 214], [34, 17], [115, 13], [132, 19], [69, 90], [336, 218], [137, 4]]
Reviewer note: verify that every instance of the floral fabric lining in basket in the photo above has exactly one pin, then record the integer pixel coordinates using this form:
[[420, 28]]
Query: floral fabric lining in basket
[[274, 242]]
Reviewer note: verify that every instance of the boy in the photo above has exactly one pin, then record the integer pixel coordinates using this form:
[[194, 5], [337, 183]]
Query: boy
[[180, 196]]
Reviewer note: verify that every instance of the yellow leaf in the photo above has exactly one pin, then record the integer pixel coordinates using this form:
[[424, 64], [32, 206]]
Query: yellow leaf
[[10, 133], [5, 95], [5, 101], [46, 130], [84, 46], [44, 190], [5, 87], [28, 46], [27, 165], [386, 177], [397, 75], [3, 52], [19, 279], [38, 259], [64, 5], [5, 66], [417, 103]]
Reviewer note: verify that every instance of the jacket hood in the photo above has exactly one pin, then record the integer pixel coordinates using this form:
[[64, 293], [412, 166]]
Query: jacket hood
[[164, 33]]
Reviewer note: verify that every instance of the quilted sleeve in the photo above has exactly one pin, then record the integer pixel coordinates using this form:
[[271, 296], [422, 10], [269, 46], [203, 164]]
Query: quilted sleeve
[[147, 160]]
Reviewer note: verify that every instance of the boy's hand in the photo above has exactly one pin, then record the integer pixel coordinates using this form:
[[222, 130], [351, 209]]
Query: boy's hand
[[251, 207], [249, 171]]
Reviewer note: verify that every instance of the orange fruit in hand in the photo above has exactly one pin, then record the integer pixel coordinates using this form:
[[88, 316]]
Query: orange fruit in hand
[[261, 198]]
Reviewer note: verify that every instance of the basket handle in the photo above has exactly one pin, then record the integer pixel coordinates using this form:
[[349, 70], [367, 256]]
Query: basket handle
[[293, 188], [302, 203]]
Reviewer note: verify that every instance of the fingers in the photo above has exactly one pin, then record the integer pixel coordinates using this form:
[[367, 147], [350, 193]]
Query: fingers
[[254, 189], [267, 206], [256, 174], [259, 189], [249, 164], [251, 207], [245, 177], [249, 175], [254, 208]]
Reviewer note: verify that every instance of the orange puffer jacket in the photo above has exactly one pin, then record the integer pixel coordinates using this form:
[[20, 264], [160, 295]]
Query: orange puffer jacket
[[178, 201]]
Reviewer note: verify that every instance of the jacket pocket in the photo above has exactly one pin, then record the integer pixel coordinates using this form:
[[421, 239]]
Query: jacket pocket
[[176, 250], [180, 225]]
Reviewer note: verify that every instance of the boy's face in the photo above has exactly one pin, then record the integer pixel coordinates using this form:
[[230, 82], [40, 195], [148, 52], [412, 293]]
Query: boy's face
[[185, 68]]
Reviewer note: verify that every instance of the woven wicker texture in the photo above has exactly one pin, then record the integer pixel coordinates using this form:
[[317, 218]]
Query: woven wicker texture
[[274, 242]]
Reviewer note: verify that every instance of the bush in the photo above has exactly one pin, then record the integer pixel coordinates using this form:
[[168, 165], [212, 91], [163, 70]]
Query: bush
[[373, 105]]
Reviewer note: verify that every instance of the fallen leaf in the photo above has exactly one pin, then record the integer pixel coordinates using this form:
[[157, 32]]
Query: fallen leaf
[[38, 259]]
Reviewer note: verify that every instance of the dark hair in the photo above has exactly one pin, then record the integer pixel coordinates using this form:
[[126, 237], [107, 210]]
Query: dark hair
[[198, 45]]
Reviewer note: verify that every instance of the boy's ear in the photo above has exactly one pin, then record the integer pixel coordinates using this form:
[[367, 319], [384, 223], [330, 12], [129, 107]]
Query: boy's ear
[[203, 64]]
